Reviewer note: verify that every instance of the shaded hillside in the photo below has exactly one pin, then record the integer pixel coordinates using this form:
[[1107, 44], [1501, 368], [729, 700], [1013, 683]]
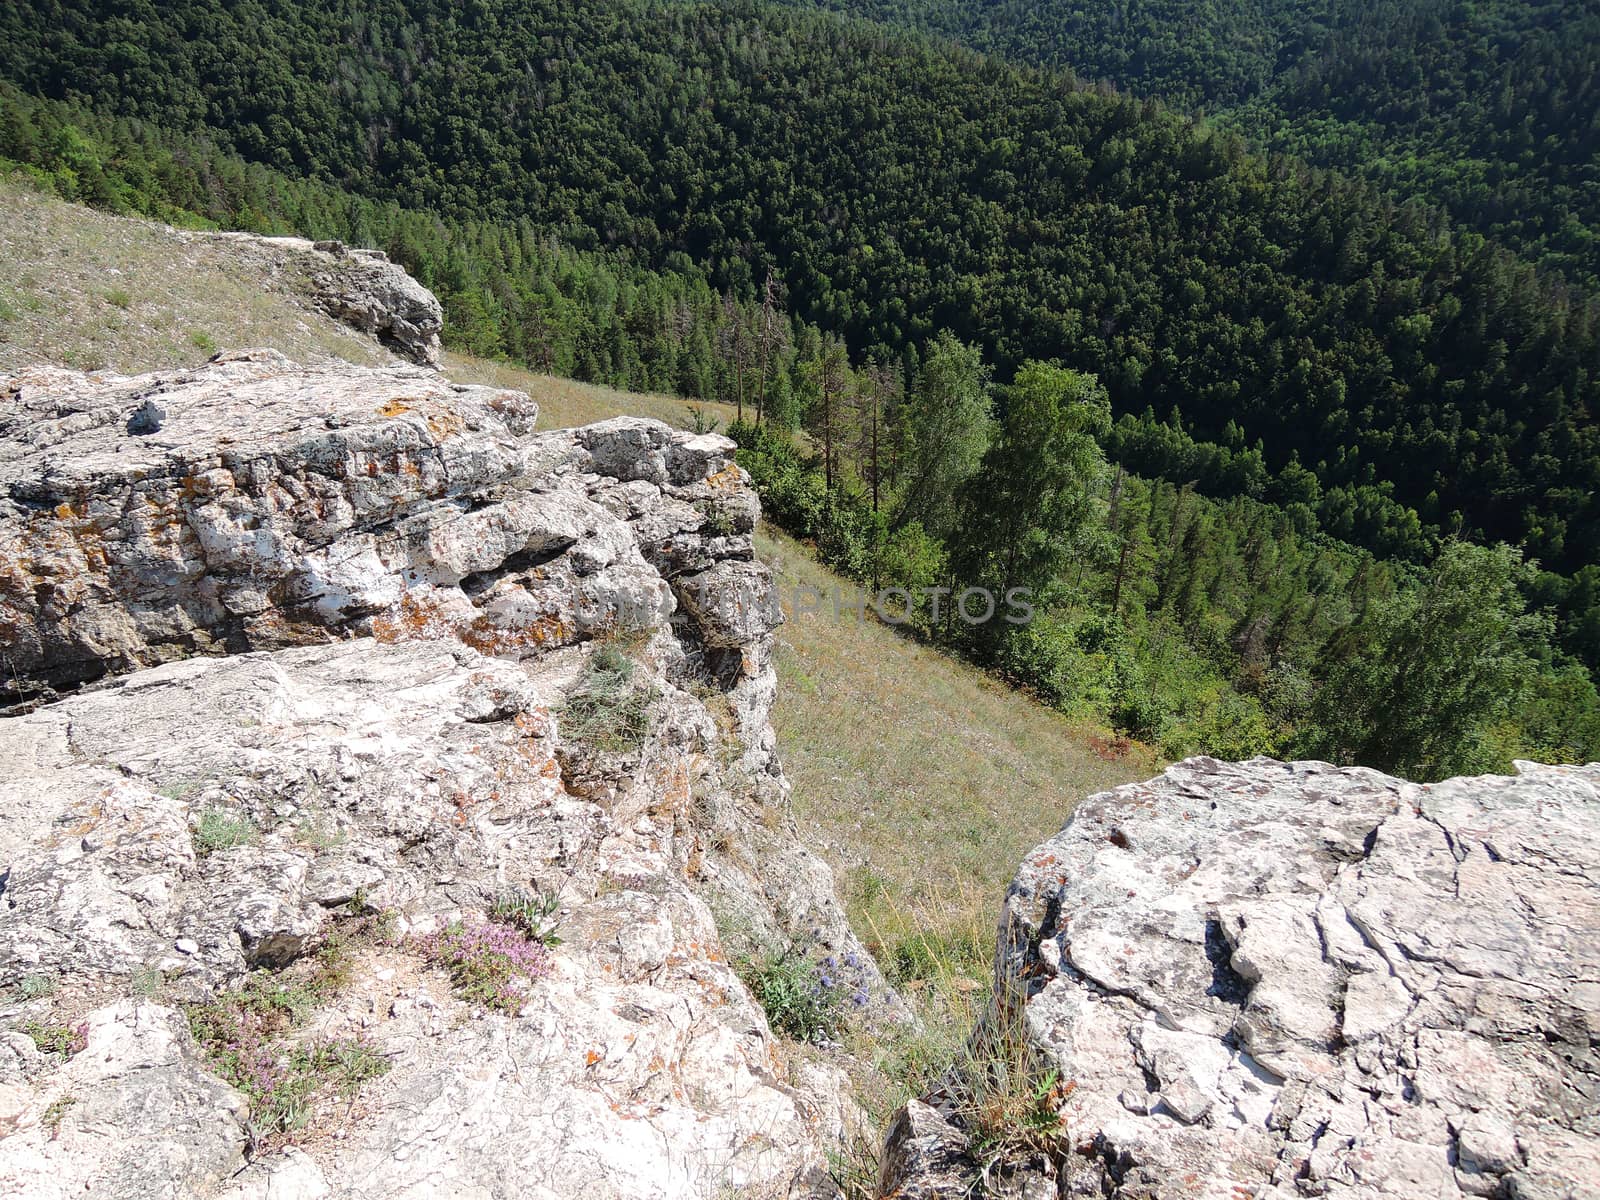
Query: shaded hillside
[[900, 188], [1489, 109]]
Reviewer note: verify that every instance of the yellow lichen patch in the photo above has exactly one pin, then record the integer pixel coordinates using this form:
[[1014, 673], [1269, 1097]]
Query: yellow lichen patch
[[544, 632], [394, 408], [725, 480], [674, 791], [443, 425], [535, 723], [88, 819], [413, 618]]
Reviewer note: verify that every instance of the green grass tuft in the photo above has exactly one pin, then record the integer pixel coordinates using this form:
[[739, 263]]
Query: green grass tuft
[[221, 829], [609, 708]]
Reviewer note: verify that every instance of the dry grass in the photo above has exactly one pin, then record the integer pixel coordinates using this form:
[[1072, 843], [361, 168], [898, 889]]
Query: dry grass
[[81, 288], [923, 781], [566, 402]]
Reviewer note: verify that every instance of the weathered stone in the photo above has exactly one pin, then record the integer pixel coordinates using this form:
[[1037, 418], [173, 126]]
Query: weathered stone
[[212, 815], [1277, 980], [274, 504], [925, 1157], [135, 1115], [360, 287]]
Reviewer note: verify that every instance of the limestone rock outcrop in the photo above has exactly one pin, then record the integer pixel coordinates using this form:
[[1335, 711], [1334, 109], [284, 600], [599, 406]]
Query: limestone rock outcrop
[[1286, 979], [293, 657], [360, 287]]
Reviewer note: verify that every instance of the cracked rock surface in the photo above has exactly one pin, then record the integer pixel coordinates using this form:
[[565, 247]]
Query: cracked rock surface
[[359, 287], [337, 614], [1277, 980]]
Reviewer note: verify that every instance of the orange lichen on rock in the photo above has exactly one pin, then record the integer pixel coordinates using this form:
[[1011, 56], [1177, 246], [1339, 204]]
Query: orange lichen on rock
[[726, 480]]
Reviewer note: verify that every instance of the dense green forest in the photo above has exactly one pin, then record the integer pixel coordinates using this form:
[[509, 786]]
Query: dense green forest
[[1427, 381], [1490, 108], [835, 227]]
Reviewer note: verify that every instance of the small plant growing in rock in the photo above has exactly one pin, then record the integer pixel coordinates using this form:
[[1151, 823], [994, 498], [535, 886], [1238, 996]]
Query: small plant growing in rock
[[608, 708], [805, 998], [221, 829], [489, 963], [535, 913], [58, 1041], [717, 523], [53, 1116], [247, 1037], [699, 421], [1008, 1098], [147, 982], [36, 987]]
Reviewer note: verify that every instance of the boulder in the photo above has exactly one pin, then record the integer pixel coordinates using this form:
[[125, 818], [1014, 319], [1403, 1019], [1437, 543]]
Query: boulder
[[1289, 979], [360, 287]]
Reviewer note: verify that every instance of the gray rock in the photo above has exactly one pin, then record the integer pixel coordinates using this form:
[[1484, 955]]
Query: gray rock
[[149, 417], [141, 1118], [1341, 984], [447, 569], [276, 505], [362, 288], [925, 1157]]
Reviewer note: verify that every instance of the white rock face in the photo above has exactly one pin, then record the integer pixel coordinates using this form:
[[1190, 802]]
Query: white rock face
[[362, 288], [345, 608], [1283, 980]]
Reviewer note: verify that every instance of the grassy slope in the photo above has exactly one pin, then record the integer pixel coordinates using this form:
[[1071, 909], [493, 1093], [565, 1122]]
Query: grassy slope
[[564, 402], [85, 289], [923, 781]]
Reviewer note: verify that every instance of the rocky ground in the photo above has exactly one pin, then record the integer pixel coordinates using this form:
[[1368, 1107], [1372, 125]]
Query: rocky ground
[[311, 670], [386, 787], [89, 290], [1286, 979]]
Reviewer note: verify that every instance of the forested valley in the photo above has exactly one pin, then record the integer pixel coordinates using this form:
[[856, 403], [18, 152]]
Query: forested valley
[[1254, 432], [1491, 110]]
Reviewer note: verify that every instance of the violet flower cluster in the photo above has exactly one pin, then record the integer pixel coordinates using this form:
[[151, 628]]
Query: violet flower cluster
[[489, 962]]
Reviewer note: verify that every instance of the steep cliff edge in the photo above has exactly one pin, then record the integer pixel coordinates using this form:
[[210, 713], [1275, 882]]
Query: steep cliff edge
[[1283, 980], [336, 692]]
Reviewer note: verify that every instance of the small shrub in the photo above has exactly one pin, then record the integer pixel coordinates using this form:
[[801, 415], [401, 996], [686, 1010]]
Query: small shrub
[[536, 914], [804, 998], [37, 987], [59, 1041], [203, 342], [118, 298], [608, 709], [717, 523], [57, 1112], [699, 421], [7, 313], [489, 963], [147, 982], [220, 829]]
